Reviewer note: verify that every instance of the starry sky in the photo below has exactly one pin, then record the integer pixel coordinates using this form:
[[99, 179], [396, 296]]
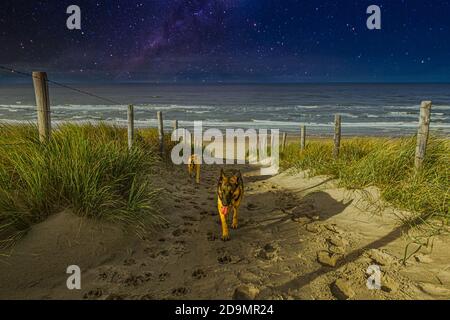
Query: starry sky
[[228, 40]]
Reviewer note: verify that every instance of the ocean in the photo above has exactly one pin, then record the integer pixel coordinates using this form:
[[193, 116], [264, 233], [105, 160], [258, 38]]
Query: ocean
[[366, 109]]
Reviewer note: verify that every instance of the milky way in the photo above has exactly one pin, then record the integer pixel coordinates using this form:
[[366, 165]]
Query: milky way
[[229, 40]]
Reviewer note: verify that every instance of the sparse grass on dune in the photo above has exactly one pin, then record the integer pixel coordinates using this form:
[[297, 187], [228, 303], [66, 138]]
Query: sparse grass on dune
[[387, 164], [87, 168]]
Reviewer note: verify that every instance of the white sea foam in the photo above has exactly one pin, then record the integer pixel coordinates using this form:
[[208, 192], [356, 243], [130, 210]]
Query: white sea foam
[[112, 113], [417, 107], [307, 107], [402, 114]]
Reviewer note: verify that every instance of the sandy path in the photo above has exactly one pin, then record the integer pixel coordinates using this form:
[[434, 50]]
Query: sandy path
[[298, 239]]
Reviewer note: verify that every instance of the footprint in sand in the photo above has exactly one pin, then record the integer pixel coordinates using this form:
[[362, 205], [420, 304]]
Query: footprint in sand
[[224, 257], [113, 276], [179, 248], [179, 232], [129, 262], [93, 294], [103, 276], [198, 274], [163, 276], [115, 296], [161, 253], [134, 280], [268, 252], [181, 291]]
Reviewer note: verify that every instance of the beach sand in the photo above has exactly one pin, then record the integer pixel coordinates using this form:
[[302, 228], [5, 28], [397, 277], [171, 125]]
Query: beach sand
[[298, 238]]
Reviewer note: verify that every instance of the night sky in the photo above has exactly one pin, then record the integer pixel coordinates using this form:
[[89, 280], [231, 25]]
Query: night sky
[[228, 40]]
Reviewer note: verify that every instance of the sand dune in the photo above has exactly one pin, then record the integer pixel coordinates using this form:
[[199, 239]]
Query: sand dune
[[299, 238]]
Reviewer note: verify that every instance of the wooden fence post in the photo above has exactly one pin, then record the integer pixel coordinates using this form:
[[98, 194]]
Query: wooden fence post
[[130, 117], [42, 105], [422, 134], [337, 136], [284, 141], [175, 125], [302, 137], [160, 132]]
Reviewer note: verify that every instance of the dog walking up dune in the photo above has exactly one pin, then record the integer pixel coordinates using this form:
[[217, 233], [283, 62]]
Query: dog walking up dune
[[230, 190], [194, 167]]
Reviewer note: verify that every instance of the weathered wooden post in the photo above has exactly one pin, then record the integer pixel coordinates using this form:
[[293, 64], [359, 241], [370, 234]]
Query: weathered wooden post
[[423, 133], [337, 136], [175, 125], [284, 141], [130, 117], [42, 105], [302, 137], [160, 132]]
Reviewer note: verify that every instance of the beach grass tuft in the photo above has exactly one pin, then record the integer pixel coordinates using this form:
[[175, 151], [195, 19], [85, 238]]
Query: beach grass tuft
[[86, 168], [387, 164]]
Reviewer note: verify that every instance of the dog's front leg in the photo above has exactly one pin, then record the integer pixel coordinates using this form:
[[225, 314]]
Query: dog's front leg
[[225, 235], [234, 225], [223, 220]]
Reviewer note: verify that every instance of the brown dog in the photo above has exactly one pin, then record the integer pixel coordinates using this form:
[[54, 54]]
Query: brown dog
[[194, 167], [230, 190]]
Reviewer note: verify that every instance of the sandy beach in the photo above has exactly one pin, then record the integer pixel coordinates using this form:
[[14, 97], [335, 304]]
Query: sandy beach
[[299, 238]]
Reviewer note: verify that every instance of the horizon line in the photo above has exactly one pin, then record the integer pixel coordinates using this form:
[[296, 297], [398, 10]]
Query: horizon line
[[233, 82]]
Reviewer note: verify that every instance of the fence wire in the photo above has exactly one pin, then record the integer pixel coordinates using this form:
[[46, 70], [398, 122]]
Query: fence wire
[[62, 85]]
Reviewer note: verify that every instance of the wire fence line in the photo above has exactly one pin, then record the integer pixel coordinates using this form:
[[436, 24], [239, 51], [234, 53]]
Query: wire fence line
[[44, 122], [59, 84]]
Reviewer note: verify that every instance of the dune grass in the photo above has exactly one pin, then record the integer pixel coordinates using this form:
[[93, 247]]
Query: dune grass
[[85, 168], [387, 164]]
